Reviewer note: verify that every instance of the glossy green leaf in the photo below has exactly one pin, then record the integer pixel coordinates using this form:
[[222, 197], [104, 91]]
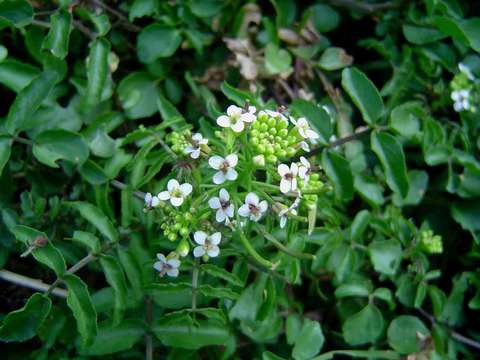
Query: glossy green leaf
[[58, 37], [16, 75], [80, 302], [138, 95], [97, 70], [391, 155], [116, 279], [363, 93], [405, 119], [309, 341], [97, 218], [292, 328], [359, 225], [88, 240], [157, 41], [366, 326], [16, 12], [59, 144], [420, 35], [386, 255], [339, 172], [402, 334], [206, 8], [348, 290], [5, 150], [23, 324]]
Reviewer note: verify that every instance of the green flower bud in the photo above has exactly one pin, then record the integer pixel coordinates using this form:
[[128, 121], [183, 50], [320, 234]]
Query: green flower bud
[[259, 160], [183, 248], [177, 226], [272, 159], [254, 140], [272, 122], [188, 216], [172, 236], [263, 127], [254, 132], [281, 153], [272, 131], [184, 231], [291, 151], [283, 133], [270, 150], [261, 149]]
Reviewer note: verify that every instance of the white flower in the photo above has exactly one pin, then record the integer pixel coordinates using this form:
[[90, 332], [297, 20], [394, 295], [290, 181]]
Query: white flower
[[194, 148], [461, 100], [223, 206], [304, 168], [283, 214], [466, 70], [259, 160], [225, 167], [167, 266], [208, 244], [151, 201], [304, 129], [236, 118], [305, 147], [176, 193], [289, 177], [253, 207]]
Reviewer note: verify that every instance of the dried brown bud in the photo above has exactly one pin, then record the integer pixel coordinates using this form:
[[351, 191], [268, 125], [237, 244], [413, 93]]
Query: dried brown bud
[[40, 241]]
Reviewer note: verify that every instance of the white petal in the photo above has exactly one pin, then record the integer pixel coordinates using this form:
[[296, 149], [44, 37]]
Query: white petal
[[263, 206], [285, 186], [213, 251], [162, 258], [294, 184], [148, 198], [164, 195], [252, 198], [155, 201], [215, 161], [302, 172], [232, 160], [230, 210], [244, 211], [219, 178], [292, 120], [172, 272], [311, 134], [214, 203], [455, 95], [174, 263], [304, 161], [172, 185], [186, 189], [458, 106], [233, 110], [224, 195], [198, 251], [197, 137], [283, 221], [200, 237], [305, 147], [195, 154], [158, 266], [248, 118], [224, 121], [215, 238], [231, 174], [176, 201], [220, 216], [283, 169], [303, 123], [238, 126], [294, 169], [252, 109]]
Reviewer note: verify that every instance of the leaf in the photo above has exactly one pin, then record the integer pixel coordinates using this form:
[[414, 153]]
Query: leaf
[[23, 324], [112, 339], [132, 270], [309, 341], [347, 290], [316, 116], [366, 326], [97, 70], [58, 36], [116, 279], [363, 93], [97, 218], [157, 41], [240, 97], [220, 273], [16, 12], [93, 173], [88, 240], [16, 75], [465, 31], [402, 334], [5, 149], [217, 292], [334, 58], [385, 255], [405, 119], [141, 8], [391, 155], [170, 295], [277, 60], [206, 8], [292, 328], [168, 111], [138, 95], [467, 214], [29, 100], [371, 192], [324, 18], [418, 181], [420, 35], [359, 225], [339, 172], [52, 145]]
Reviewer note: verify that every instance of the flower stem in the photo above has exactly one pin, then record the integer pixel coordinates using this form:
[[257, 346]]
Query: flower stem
[[194, 285], [251, 250], [282, 247]]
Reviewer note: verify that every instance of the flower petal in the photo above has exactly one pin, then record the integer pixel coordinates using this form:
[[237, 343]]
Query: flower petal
[[195, 154], [248, 117], [231, 174], [233, 110], [148, 198], [172, 185], [285, 186], [186, 189], [220, 216], [197, 137], [294, 184], [283, 221], [263, 206], [158, 266], [283, 169], [224, 121], [311, 134], [199, 237], [155, 201], [244, 211], [213, 251], [164, 195], [214, 203], [215, 161], [229, 211], [162, 258], [252, 199], [238, 126], [198, 251], [173, 272], [232, 160], [176, 201], [173, 262], [219, 178], [215, 238], [224, 195], [294, 169]]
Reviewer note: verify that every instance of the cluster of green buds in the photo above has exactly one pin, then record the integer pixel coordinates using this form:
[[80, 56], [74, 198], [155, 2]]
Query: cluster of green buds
[[465, 90], [176, 224], [311, 188], [430, 242], [271, 137], [179, 141]]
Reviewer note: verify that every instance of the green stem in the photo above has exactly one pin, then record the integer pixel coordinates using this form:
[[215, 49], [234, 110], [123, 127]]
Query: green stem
[[251, 250], [265, 185], [195, 284], [282, 247]]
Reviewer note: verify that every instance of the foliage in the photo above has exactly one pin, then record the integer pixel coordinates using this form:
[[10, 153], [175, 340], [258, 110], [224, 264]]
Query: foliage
[[239, 179]]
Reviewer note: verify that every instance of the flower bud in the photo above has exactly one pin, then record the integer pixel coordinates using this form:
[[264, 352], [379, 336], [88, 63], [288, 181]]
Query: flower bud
[[184, 231], [40, 241], [183, 248], [259, 160]]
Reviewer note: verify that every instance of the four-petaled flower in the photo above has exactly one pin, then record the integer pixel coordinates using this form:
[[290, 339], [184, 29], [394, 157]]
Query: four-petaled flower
[[304, 168], [253, 207], [461, 100], [208, 244], [195, 146], [225, 167], [223, 206], [286, 211], [151, 201], [176, 193], [304, 129], [236, 118], [289, 177], [167, 266]]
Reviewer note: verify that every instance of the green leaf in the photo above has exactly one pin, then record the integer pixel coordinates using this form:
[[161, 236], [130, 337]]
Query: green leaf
[[465, 31], [217, 292], [116, 279], [5, 149], [137, 93], [324, 18], [363, 93], [240, 97], [309, 341], [113, 339], [467, 214], [97, 70], [371, 192], [80, 302], [220, 273], [402, 334], [168, 111], [132, 270], [157, 41], [364, 354], [88, 240], [16, 12], [391, 155], [334, 58], [277, 60], [316, 116], [29, 100], [405, 119], [418, 181], [16, 75], [359, 225], [339, 172], [292, 328], [366, 326], [53, 145], [93, 173], [97, 218], [23, 324], [141, 8], [206, 8], [386, 255], [347, 290], [58, 37], [420, 35], [171, 296], [101, 144]]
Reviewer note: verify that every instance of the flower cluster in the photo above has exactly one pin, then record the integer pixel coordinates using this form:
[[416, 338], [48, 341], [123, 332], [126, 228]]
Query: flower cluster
[[430, 242], [465, 90]]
